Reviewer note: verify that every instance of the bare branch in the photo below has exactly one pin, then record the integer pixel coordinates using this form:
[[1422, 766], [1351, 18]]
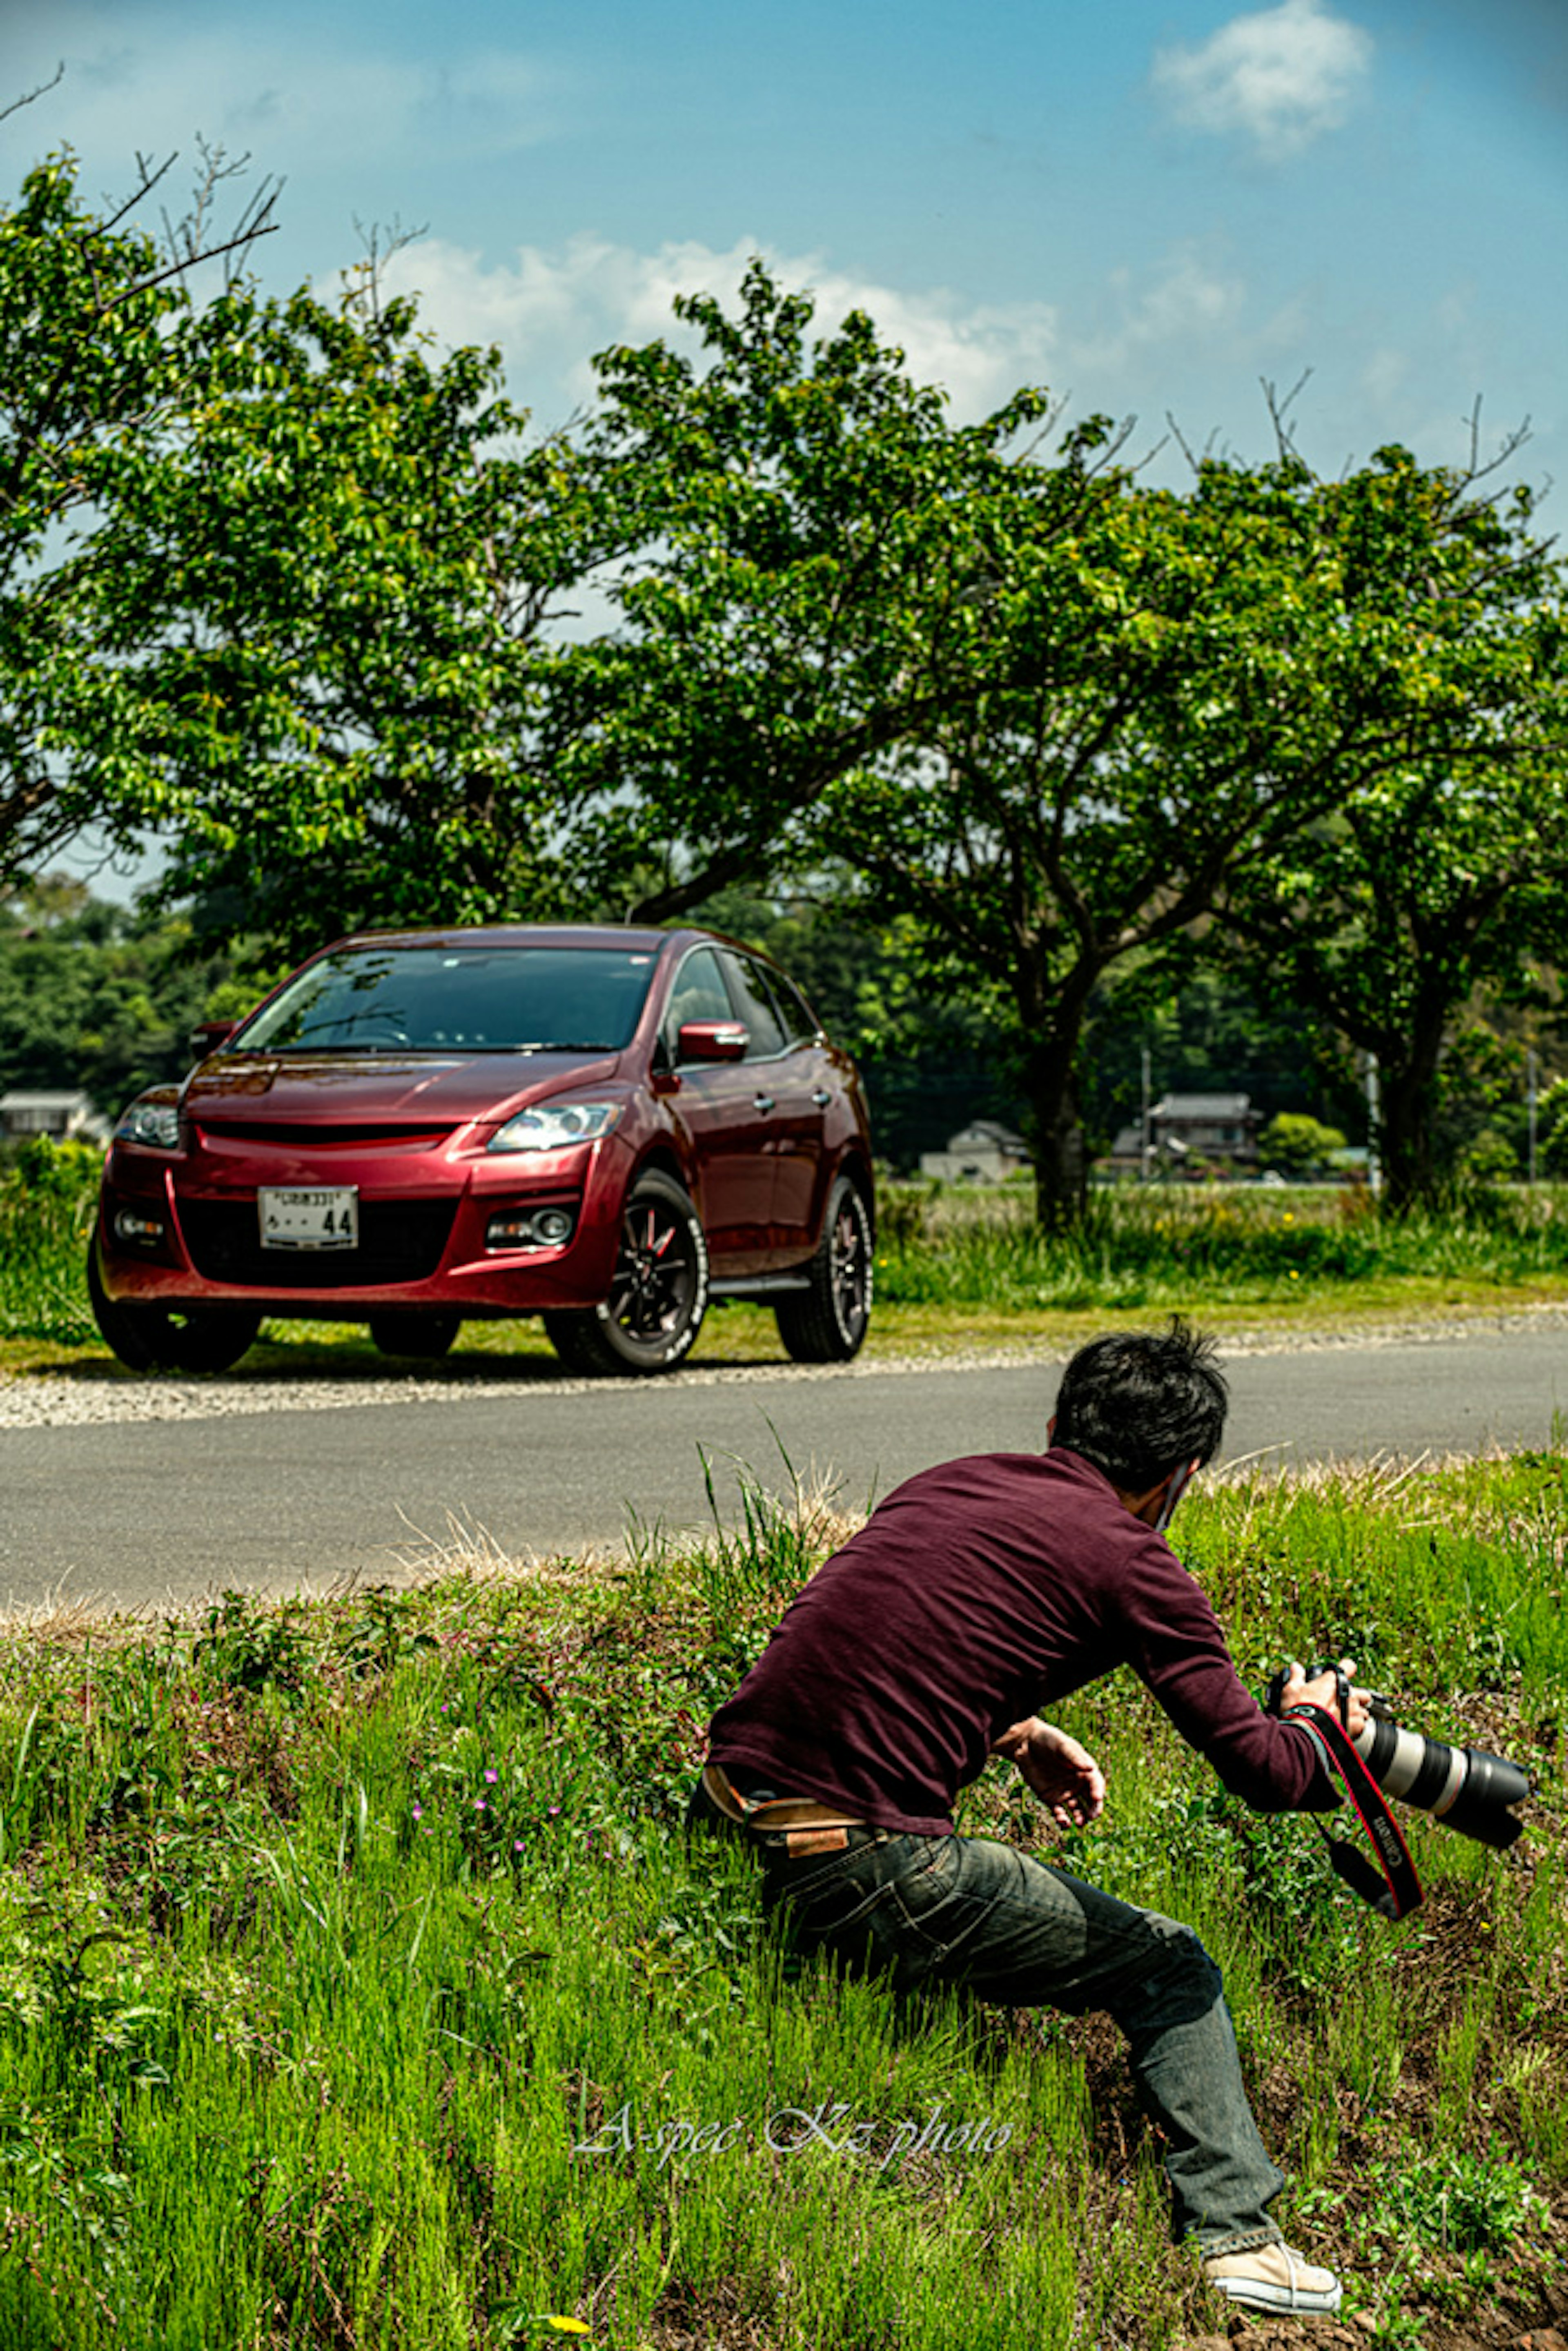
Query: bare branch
[[1279, 413], [29, 95], [147, 178], [382, 244], [1179, 437]]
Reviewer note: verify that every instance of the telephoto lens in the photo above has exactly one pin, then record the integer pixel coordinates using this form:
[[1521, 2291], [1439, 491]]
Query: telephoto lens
[[1467, 1788]]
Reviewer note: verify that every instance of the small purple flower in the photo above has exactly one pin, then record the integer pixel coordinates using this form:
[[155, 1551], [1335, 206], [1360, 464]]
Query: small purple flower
[[554, 1808], [478, 1803], [492, 1775], [419, 1811]]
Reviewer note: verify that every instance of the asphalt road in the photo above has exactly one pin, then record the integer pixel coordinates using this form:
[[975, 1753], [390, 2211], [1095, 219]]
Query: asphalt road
[[155, 1513]]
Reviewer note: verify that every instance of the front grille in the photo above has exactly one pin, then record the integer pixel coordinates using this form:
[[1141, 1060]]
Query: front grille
[[318, 1138], [400, 1240]]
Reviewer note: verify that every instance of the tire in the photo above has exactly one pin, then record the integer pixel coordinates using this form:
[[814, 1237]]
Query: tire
[[827, 1323], [426, 1336], [658, 1294], [161, 1338]]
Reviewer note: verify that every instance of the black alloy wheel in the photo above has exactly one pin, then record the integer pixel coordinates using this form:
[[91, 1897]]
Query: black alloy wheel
[[658, 1294], [426, 1337], [165, 1339], [827, 1323]]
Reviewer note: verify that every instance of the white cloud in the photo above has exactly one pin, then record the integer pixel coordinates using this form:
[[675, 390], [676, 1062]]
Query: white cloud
[[1280, 77], [1184, 303], [549, 310], [145, 81]]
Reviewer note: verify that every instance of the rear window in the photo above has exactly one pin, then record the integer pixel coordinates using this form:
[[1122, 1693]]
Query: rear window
[[446, 999]]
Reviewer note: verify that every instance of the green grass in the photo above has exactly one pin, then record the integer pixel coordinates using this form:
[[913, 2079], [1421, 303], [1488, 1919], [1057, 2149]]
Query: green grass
[[333, 1937], [1208, 1246], [956, 1267]]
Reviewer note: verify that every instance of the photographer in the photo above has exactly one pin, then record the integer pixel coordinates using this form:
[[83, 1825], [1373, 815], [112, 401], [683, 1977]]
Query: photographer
[[975, 1593]]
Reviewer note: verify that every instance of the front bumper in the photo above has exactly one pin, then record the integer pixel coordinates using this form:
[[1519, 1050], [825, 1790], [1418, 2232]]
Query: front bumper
[[186, 1232]]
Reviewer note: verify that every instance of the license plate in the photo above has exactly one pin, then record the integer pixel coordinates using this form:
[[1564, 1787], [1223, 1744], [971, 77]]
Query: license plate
[[318, 1220]]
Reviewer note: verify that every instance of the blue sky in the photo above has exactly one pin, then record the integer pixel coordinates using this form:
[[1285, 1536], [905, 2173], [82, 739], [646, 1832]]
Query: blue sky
[[1146, 205]]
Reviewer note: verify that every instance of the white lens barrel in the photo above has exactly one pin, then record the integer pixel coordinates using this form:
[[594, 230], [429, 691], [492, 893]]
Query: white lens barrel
[[1423, 1771]]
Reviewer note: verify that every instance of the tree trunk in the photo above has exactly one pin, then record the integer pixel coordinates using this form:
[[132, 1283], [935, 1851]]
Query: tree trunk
[[1412, 1178], [1056, 1132]]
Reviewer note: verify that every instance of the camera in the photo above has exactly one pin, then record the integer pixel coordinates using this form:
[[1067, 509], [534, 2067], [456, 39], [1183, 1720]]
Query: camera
[[1467, 1789]]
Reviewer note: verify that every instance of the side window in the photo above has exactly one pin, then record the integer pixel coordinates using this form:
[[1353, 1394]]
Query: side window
[[754, 1002], [699, 994], [800, 1022]]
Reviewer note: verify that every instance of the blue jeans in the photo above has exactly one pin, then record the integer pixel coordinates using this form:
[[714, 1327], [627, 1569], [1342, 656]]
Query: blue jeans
[[967, 1912]]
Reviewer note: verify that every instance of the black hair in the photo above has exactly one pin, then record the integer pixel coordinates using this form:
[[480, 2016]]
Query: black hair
[[1140, 1404]]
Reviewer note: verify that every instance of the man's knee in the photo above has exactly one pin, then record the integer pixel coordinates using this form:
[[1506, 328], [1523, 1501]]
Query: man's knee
[[1178, 1976]]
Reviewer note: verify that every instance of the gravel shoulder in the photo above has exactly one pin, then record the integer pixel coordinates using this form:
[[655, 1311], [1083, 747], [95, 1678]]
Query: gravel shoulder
[[98, 1392]]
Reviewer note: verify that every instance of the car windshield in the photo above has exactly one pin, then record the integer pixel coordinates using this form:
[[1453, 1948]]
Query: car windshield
[[447, 999]]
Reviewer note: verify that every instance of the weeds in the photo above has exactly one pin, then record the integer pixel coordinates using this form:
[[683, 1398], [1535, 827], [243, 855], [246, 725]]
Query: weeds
[[1190, 1247], [331, 1937]]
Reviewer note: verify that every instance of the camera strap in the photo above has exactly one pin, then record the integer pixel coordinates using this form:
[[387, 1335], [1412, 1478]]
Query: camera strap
[[1392, 1889]]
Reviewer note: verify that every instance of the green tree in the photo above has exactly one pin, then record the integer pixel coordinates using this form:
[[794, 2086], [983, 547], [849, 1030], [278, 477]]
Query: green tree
[[1162, 702], [95, 358], [103, 997], [1443, 872], [1296, 1145], [330, 589], [806, 577]]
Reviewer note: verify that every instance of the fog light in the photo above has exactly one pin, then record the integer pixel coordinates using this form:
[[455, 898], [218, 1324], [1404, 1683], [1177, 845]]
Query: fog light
[[521, 1228], [145, 1231]]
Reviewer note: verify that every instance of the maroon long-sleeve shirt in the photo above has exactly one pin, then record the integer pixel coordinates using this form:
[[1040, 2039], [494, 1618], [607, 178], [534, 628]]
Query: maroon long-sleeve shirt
[[978, 1593]]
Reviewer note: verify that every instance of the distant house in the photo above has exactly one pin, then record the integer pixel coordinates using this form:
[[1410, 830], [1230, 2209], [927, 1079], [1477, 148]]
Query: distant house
[[1185, 1128], [64, 1117], [980, 1153]]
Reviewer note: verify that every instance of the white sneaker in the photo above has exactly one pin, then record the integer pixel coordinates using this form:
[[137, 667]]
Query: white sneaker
[[1273, 2277]]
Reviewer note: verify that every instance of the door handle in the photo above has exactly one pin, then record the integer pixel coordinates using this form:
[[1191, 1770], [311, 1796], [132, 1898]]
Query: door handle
[[762, 1102]]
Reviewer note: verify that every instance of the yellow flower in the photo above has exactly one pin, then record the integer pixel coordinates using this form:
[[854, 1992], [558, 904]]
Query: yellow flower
[[1294, 1275]]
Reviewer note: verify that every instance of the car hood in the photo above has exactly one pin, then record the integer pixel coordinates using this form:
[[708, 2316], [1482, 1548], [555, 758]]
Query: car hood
[[342, 1089]]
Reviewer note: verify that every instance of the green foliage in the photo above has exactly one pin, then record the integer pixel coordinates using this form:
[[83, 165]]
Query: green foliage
[[805, 522], [95, 360], [1179, 698], [326, 591], [1459, 2201], [313, 1988], [48, 1196], [1551, 1130], [1177, 1245], [95, 998], [1298, 1145]]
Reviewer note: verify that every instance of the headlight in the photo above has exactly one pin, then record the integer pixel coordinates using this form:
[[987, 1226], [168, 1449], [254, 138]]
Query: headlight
[[556, 1126], [154, 1124]]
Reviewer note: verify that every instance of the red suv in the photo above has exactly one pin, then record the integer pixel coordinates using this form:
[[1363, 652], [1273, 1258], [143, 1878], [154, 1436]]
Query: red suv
[[606, 1127]]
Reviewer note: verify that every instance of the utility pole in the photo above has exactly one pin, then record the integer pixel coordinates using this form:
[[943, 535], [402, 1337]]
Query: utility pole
[[1374, 1120], [1143, 1125], [1529, 1096]]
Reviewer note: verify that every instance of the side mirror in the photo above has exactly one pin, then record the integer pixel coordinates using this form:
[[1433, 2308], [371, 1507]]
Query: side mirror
[[712, 1041], [208, 1035]]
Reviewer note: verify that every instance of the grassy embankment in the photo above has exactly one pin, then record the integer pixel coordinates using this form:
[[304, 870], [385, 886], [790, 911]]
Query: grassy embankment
[[962, 1268], [331, 1935]]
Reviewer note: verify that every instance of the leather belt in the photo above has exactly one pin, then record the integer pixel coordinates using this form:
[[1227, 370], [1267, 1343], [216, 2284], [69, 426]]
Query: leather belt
[[773, 1812]]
